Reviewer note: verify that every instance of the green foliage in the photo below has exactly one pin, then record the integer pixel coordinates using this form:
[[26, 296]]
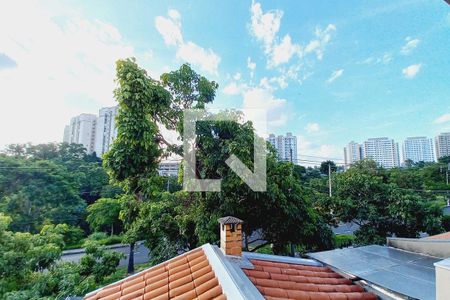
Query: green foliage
[[267, 249], [32, 192], [24, 254], [324, 167], [48, 183], [446, 223], [24, 257], [134, 153], [104, 214], [344, 240], [72, 235], [368, 196], [101, 238]]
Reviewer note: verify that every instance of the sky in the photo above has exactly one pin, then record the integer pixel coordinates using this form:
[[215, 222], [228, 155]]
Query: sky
[[329, 72]]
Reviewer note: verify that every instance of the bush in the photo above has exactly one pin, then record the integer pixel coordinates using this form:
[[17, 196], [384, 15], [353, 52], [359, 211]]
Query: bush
[[446, 223], [101, 238], [344, 240]]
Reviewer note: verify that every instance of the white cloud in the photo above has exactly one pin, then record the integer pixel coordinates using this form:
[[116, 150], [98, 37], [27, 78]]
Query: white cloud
[[251, 66], [410, 45], [265, 26], [316, 149], [386, 59], [261, 98], [323, 37], [65, 66], [207, 60], [237, 76], [335, 75], [232, 89], [442, 119], [283, 52], [280, 80], [170, 29], [174, 14], [411, 71], [312, 127]]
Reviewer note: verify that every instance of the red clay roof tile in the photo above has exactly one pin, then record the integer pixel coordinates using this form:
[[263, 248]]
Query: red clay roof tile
[[278, 281], [188, 276]]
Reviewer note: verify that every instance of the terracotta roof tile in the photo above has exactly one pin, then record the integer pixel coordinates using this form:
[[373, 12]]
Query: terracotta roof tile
[[188, 276], [442, 236], [278, 281]]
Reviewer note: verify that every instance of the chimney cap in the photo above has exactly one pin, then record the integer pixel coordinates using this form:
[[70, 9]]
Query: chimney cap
[[230, 220]]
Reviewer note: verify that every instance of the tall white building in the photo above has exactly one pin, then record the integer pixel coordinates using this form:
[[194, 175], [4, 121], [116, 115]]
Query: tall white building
[[417, 149], [352, 153], [286, 146], [382, 150], [442, 142], [66, 137], [106, 129], [81, 130]]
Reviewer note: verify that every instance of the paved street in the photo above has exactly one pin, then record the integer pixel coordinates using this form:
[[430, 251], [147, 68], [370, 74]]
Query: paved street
[[140, 255]]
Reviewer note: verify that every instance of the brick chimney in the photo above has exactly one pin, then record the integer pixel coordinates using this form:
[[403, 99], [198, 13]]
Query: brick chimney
[[231, 235]]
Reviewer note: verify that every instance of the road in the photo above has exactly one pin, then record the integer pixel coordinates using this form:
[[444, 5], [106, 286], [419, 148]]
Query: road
[[140, 254]]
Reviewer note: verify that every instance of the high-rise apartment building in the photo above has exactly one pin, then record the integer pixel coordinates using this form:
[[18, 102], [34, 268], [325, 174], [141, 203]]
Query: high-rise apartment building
[[81, 130], [286, 146], [418, 149], [106, 129], [442, 142], [382, 150], [352, 153]]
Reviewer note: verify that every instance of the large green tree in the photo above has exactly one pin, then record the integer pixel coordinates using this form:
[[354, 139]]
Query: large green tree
[[104, 213], [365, 195], [135, 152]]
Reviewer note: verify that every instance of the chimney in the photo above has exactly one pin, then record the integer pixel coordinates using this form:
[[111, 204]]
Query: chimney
[[231, 235]]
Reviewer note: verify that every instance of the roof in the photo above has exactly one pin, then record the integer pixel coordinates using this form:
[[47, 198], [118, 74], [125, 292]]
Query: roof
[[403, 272], [206, 273], [188, 276], [230, 220], [291, 281], [442, 236]]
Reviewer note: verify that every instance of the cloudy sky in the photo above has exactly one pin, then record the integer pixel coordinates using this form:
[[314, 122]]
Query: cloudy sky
[[327, 72]]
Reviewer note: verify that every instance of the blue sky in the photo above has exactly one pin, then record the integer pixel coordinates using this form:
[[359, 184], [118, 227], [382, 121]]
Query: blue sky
[[327, 72]]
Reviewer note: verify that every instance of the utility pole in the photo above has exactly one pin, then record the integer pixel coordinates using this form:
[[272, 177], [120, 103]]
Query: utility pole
[[329, 178], [448, 170], [292, 170]]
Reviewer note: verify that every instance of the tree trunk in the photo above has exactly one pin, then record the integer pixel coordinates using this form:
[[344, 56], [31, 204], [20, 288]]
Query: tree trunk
[[131, 259], [112, 229]]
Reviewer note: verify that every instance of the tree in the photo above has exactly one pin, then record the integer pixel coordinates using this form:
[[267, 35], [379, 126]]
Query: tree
[[72, 235], [25, 256], [35, 191], [363, 195], [104, 213], [134, 153], [325, 165]]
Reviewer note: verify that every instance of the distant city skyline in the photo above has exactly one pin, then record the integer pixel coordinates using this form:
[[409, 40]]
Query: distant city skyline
[[97, 132], [327, 73]]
